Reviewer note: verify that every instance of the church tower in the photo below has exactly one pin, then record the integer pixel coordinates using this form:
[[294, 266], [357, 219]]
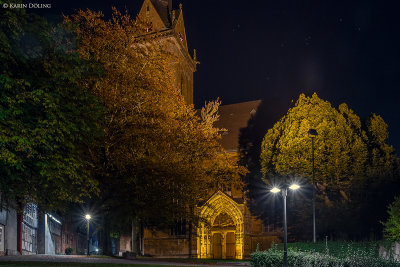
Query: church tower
[[227, 228], [166, 25]]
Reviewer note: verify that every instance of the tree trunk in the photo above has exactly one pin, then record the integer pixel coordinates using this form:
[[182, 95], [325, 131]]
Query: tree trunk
[[190, 239], [106, 237], [134, 236], [141, 235], [190, 231]]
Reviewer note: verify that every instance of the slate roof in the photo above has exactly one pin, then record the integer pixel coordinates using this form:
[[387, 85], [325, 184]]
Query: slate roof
[[163, 11], [233, 118]]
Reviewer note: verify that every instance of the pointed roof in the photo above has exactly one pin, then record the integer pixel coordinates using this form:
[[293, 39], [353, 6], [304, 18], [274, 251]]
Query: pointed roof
[[164, 9], [165, 23], [233, 118]]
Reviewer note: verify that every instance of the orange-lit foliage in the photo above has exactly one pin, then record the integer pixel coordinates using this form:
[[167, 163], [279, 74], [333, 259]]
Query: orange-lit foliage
[[159, 156]]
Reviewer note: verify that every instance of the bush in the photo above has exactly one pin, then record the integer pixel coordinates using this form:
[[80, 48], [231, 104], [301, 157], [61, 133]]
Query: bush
[[129, 255], [274, 258], [342, 249], [68, 251], [270, 258], [392, 225]]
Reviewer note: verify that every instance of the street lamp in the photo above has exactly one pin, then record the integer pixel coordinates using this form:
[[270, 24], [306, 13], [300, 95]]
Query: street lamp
[[313, 133], [284, 194], [88, 217]]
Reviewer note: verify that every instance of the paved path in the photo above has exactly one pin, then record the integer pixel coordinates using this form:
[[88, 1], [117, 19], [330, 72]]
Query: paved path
[[84, 259]]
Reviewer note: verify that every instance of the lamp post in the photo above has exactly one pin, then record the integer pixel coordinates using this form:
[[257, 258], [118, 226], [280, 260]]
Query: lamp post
[[88, 217], [284, 195], [313, 133]]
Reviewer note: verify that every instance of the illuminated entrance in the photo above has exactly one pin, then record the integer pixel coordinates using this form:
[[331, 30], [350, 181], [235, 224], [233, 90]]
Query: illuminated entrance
[[220, 234]]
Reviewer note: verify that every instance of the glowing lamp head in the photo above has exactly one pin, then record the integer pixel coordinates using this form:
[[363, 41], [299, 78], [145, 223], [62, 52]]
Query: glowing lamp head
[[275, 190], [294, 186], [88, 217]]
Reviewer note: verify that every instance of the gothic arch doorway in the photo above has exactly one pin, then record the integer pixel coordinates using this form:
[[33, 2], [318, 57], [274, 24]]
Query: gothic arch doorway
[[220, 234]]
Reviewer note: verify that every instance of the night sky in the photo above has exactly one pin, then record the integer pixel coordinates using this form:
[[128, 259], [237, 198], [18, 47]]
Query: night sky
[[346, 51]]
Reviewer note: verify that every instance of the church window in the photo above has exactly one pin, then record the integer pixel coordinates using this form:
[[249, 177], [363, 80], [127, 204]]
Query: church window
[[148, 8]]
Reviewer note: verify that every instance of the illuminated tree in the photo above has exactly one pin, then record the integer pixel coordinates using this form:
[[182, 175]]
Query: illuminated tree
[[392, 225], [340, 148], [159, 157], [355, 169]]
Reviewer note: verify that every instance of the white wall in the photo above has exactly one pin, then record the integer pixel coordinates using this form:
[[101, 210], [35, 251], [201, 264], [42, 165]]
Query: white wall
[[11, 233]]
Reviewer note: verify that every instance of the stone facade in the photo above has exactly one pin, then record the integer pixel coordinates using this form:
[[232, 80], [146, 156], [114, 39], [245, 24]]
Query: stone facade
[[70, 237], [228, 231], [167, 27]]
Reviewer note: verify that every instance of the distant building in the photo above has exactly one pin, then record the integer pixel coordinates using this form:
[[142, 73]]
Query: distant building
[[232, 232], [18, 233], [8, 231], [38, 233]]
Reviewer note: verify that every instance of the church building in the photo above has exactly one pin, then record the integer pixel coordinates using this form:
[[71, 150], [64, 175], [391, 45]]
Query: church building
[[229, 231]]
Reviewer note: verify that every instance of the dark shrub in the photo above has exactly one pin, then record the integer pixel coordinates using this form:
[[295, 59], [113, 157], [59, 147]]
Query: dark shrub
[[129, 255], [68, 251]]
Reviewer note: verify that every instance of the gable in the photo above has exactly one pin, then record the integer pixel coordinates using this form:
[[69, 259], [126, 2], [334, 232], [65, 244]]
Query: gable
[[219, 203], [234, 118], [150, 15], [180, 29]]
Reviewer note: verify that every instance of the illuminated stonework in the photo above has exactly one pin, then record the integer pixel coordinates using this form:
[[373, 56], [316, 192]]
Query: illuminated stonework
[[221, 231]]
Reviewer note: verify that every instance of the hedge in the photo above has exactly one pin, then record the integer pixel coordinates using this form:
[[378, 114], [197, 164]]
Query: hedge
[[274, 258], [342, 249]]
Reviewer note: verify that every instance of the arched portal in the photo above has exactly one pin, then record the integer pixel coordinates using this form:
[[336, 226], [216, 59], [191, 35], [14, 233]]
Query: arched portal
[[220, 233]]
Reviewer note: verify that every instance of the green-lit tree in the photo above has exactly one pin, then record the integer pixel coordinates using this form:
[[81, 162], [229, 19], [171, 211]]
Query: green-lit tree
[[392, 225], [352, 160], [340, 150]]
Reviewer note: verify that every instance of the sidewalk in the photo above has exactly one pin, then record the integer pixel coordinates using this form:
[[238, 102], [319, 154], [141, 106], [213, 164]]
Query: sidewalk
[[95, 259]]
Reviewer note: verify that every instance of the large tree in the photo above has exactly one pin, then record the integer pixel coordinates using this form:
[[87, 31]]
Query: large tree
[[352, 159], [159, 156], [47, 118]]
